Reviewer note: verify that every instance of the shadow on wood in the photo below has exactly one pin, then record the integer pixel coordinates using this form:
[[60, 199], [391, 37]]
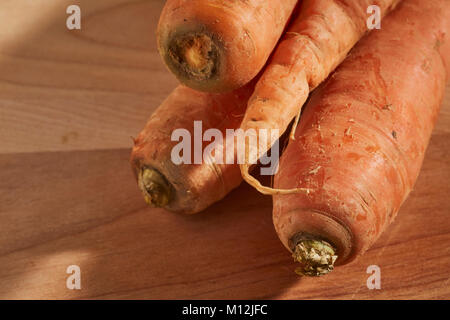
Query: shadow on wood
[[84, 208]]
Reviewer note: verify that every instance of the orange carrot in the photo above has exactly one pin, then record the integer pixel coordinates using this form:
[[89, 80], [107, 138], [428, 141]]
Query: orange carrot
[[318, 39], [187, 188], [220, 45], [362, 139]]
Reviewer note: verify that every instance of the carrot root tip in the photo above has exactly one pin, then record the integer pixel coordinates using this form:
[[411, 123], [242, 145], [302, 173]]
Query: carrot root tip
[[245, 172], [155, 188], [315, 256]]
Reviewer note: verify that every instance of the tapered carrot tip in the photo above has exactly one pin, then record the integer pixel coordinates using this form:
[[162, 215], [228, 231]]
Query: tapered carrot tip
[[155, 188], [194, 55], [315, 256]]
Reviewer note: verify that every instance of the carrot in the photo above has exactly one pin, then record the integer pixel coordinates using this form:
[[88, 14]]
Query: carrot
[[318, 39], [187, 188], [362, 139], [220, 45]]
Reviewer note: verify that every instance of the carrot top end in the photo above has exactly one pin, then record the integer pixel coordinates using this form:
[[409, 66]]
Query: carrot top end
[[194, 55], [315, 256], [155, 188]]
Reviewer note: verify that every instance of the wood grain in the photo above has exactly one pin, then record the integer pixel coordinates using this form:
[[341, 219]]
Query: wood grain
[[69, 102]]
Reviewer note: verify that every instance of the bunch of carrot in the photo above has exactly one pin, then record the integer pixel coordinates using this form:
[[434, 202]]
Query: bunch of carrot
[[354, 153]]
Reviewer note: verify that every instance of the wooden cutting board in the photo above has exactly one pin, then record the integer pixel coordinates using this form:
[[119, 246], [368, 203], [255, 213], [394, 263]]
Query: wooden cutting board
[[69, 103]]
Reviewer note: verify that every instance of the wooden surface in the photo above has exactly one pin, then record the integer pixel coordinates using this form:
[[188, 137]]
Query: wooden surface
[[69, 102]]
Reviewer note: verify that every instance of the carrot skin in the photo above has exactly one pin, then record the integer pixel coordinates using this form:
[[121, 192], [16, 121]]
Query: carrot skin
[[317, 40], [220, 45], [191, 187], [363, 135]]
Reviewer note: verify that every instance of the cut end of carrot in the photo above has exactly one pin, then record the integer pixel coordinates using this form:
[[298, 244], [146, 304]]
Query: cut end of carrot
[[315, 256], [155, 188], [194, 55]]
